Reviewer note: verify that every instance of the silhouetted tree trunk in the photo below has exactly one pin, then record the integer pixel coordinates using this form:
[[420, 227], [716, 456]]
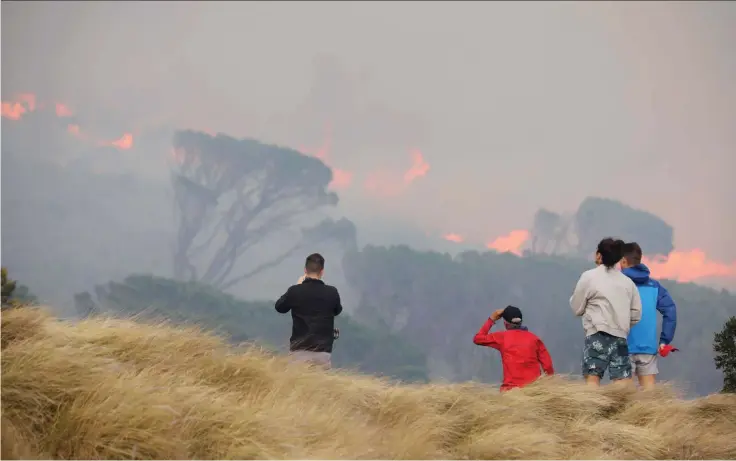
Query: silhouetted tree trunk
[[231, 195]]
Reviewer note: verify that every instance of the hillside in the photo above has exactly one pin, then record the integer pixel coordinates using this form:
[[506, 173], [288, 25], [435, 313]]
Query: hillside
[[418, 312], [422, 308], [363, 348], [113, 389], [437, 302]]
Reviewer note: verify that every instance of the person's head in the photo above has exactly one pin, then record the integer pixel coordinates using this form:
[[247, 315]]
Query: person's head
[[315, 266], [609, 252], [632, 255], [511, 317]]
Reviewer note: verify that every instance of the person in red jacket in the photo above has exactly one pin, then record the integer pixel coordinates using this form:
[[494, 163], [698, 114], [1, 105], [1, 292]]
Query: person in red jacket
[[522, 352]]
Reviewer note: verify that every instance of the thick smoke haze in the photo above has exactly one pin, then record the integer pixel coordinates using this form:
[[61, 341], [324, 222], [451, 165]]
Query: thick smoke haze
[[438, 118]]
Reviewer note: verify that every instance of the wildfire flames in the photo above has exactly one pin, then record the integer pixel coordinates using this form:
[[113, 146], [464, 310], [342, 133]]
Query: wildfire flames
[[124, 142], [457, 238], [380, 182], [682, 266], [688, 266], [510, 243], [418, 168], [24, 103], [341, 179], [513, 242]]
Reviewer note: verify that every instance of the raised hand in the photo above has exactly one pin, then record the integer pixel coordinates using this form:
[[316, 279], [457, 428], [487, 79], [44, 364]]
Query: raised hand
[[497, 314]]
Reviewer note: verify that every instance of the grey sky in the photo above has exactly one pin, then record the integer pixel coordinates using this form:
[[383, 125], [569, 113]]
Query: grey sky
[[514, 105]]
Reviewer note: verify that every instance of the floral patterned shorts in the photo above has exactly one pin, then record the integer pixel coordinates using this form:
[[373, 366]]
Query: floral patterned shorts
[[603, 351]]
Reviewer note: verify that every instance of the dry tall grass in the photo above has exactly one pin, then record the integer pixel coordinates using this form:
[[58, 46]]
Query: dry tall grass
[[103, 389]]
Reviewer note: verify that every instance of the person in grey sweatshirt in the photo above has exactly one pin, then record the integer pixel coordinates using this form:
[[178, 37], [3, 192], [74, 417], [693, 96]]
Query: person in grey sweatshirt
[[609, 303]]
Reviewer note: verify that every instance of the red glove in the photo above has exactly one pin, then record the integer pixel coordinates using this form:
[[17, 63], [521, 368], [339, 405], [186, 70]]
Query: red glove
[[664, 351]]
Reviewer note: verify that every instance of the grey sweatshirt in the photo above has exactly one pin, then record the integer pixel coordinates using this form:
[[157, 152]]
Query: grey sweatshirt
[[607, 300]]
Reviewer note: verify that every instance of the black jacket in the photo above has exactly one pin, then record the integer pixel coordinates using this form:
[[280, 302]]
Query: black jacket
[[314, 306]]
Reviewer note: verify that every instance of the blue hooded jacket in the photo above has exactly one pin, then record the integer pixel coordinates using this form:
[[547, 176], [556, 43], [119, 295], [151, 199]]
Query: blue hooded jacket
[[654, 297]]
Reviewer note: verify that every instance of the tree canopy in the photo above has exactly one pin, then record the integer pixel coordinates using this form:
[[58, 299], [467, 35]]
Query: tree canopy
[[724, 345], [232, 195], [597, 217], [438, 303], [13, 294], [578, 233]]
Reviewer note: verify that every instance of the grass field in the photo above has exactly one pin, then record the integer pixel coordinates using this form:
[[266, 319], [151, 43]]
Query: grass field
[[114, 389]]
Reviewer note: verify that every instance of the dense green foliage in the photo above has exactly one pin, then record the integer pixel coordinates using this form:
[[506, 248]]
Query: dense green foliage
[[724, 344], [368, 350], [438, 303]]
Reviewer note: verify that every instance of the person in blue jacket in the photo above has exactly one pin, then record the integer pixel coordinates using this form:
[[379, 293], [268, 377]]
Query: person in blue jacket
[[644, 345]]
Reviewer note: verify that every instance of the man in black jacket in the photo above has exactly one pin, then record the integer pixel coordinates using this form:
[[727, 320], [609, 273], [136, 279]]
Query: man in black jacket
[[314, 306]]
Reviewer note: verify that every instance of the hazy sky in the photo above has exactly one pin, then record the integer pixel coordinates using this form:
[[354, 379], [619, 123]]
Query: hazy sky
[[514, 105]]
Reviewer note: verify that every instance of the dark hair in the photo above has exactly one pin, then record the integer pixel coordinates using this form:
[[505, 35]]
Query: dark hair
[[632, 253], [611, 251], [315, 263]]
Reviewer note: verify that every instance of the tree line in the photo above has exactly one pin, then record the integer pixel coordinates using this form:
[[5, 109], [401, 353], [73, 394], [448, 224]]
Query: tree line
[[418, 333], [438, 302], [417, 311]]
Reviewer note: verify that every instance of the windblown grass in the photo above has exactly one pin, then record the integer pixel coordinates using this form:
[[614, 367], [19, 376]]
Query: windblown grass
[[114, 389]]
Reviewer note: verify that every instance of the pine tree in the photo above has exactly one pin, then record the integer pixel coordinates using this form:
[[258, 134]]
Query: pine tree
[[8, 287], [724, 345], [14, 295]]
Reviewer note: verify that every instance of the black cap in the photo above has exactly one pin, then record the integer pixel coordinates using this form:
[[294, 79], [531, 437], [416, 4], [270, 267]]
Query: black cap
[[512, 314]]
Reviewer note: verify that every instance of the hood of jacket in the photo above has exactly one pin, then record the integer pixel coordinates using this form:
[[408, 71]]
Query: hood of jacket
[[639, 274]]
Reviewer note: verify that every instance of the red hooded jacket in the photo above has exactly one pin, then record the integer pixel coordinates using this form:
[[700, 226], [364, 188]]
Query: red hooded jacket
[[522, 353]]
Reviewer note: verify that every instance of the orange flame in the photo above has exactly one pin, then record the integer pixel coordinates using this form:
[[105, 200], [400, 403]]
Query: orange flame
[[388, 184], [510, 243], [419, 166], [341, 179], [457, 238], [687, 266], [13, 110], [27, 102], [124, 143], [22, 103]]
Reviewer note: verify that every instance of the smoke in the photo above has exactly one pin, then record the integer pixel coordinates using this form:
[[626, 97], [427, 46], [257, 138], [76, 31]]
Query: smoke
[[472, 146]]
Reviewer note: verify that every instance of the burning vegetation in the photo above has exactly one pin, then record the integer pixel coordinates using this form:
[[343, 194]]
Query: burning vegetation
[[23, 104], [551, 233]]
